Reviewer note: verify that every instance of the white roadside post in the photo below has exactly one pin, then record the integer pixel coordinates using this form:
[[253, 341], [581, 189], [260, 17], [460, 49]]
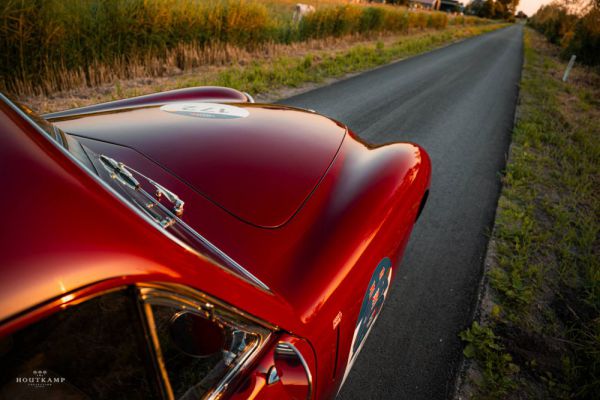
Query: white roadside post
[[569, 66]]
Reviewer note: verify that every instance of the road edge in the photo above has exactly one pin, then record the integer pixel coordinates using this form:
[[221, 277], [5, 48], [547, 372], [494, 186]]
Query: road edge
[[280, 94], [483, 303]]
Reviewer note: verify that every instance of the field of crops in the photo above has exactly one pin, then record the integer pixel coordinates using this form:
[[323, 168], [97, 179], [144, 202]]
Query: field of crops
[[577, 34], [53, 45]]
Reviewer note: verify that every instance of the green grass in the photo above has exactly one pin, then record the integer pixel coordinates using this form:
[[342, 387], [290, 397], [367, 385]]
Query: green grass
[[286, 71], [497, 365], [542, 338], [266, 75]]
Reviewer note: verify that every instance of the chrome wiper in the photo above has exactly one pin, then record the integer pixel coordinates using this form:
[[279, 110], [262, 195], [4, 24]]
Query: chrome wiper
[[168, 218], [172, 197], [120, 172]]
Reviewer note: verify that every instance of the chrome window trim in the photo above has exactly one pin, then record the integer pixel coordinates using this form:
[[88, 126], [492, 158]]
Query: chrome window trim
[[241, 271], [250, 98], [154, 346], [178, 290]]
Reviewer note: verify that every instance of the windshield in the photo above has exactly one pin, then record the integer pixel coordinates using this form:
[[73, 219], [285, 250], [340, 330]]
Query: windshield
[[68, 142], [54, 132]]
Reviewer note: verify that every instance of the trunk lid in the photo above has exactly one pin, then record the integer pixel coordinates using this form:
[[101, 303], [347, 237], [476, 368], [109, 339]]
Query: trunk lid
[[258, 162]]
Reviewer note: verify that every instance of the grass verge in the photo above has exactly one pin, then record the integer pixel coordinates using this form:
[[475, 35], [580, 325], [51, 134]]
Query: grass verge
[[52, 45], [269, 73], [538, 330]]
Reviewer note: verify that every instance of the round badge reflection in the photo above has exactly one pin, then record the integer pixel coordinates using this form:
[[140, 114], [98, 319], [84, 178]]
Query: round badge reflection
[[206, 110], [372, 303]]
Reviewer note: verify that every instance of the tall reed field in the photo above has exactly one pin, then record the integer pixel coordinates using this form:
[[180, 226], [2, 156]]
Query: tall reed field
[[48, 46]]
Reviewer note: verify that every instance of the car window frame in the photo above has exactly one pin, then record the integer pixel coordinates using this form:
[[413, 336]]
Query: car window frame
[[142, 293], [185, 296]]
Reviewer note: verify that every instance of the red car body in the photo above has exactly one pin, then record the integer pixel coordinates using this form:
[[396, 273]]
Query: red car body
[[304, 223]]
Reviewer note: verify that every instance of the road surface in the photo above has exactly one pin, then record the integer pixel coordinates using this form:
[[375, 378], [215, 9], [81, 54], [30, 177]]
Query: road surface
[[458, 102]]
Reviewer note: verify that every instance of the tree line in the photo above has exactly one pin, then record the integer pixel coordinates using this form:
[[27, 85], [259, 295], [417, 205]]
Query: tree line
[[575, 27], [493, 9]]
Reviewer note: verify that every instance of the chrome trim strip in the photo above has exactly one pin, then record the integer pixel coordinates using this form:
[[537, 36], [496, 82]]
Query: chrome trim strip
[[234, 264], [250, 98], [182, 292], [244, 272], [159, 359]]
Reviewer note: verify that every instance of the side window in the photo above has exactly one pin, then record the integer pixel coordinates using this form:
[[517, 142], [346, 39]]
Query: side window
[[93, 350]]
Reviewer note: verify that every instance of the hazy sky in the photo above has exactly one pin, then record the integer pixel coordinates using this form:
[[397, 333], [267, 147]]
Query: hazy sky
[[529, 7]]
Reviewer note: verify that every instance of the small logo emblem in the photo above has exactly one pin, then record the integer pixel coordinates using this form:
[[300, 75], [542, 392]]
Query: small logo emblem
[[39, 379]]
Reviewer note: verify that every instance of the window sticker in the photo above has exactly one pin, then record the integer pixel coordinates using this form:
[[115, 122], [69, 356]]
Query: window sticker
[[206, 110]]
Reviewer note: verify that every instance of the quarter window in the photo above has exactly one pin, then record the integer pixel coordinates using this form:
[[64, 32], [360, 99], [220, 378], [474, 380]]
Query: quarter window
[[134, 343]]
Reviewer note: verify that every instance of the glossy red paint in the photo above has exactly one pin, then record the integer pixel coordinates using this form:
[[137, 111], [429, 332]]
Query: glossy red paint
[[229, 161], [316, 225], [255, 385]]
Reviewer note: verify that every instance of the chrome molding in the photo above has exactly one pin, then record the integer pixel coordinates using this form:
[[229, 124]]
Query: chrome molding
[[193, 297], [250, 98], [159, 359], [164, 294]]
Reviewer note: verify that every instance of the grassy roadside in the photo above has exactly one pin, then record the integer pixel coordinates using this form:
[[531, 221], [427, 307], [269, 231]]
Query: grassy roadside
[[269, 73], [538, 330], [52, 45]]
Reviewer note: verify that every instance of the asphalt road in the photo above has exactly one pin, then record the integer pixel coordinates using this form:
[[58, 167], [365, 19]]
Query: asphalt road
[[458, 102]]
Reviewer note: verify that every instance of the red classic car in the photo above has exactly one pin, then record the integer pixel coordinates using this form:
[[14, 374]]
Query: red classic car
[[194, 244]]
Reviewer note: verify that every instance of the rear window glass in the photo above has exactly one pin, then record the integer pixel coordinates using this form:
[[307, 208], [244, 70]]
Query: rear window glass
[[94, 350]]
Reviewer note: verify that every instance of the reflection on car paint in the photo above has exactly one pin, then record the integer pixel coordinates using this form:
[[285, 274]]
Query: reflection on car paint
[[371, 306]]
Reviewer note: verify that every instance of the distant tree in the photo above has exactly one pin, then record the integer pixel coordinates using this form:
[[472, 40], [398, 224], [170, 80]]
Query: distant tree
[[584, 40], [499, 9], [555, 22], [575, 26], [487, 9], [509, 5], [473, 7]]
